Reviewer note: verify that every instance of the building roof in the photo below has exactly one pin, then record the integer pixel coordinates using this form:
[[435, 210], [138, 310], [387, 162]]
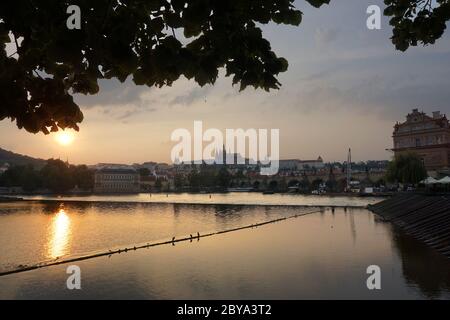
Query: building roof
[[438, 119], [118, 171]]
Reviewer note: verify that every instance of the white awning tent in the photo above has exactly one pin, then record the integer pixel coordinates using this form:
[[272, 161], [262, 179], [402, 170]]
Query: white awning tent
[[445, 180], [429, 180]]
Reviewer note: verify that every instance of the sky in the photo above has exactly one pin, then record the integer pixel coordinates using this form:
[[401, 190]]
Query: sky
[[346, 86]]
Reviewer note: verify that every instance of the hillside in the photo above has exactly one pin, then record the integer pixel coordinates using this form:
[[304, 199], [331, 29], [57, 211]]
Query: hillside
[[19, 159]]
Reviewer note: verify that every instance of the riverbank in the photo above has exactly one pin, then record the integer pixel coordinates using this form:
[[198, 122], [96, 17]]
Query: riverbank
[[425, 217], [232, 198], [9, 199], [329, 194]]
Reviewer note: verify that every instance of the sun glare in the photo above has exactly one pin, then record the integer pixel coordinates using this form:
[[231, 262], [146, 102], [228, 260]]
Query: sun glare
[[59, 239], [64, 138]]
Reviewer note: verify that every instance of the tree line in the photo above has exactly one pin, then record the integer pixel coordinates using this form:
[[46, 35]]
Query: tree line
[[59, 177], [56, 176]]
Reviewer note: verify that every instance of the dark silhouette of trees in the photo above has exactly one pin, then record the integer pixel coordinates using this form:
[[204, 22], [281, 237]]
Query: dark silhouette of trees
[[273, 185], [21, 176], [223, 177], [178, 182], [82, 177], [331, 183], [152, 41], [158, 184], [305, 184], [341, 185], [144, 172], [155, 42], [417, 21], [56, 176], [406, 168], [194, 179], [316, 184]]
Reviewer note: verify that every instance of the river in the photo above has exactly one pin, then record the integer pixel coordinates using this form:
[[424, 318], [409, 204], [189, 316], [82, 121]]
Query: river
[[321, 255]]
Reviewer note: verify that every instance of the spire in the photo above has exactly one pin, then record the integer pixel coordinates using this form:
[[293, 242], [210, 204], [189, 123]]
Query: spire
[[224, 154], [349, 168]]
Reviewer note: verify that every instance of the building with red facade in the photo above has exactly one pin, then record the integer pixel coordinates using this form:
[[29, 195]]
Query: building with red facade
[[427, 136]]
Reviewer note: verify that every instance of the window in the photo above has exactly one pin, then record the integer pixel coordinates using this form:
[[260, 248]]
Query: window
[[417, 142]]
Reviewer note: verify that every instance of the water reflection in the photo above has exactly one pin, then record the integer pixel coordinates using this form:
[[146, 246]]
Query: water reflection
[[309, 257], [422, 267], [60, 234], [224, 210]]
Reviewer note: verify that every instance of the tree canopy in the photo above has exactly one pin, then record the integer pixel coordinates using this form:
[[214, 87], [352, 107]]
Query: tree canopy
[[154, 42], [56, 176], [417, 21], [406, 168]]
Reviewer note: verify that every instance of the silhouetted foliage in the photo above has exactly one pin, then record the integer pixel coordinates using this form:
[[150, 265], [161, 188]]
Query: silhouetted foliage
[[158, 184], [136, 38], [144, 172], [331, 183], [316, 183], [417, 21], [406, 168], [154, 42], [178, 181], [56, 176], [223, 177], [82, 177], [273, 185], [21, 176], [341, 185]]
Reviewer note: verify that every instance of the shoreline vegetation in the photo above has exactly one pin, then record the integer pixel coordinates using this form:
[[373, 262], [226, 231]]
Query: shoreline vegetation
[[57, 177]]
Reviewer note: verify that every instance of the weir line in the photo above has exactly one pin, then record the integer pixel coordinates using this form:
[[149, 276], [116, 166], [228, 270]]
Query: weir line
[[125, 202], [148, 245]]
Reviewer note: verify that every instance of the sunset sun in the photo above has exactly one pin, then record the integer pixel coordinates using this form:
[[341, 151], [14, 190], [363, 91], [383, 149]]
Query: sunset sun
[[64, 138]]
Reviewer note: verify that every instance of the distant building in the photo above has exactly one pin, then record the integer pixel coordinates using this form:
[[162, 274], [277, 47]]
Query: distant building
[[289, 164], [117, 180], [312, 164], [151, 166], [161, 167], [100, 166], [300, 165], [427, 136]]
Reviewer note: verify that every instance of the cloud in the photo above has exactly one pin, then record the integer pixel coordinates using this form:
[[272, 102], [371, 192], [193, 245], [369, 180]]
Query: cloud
[[194, 95], [325, 35], [113, 93]]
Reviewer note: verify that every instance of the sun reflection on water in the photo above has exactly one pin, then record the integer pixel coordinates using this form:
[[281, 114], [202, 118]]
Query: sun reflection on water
[[59, 238]]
